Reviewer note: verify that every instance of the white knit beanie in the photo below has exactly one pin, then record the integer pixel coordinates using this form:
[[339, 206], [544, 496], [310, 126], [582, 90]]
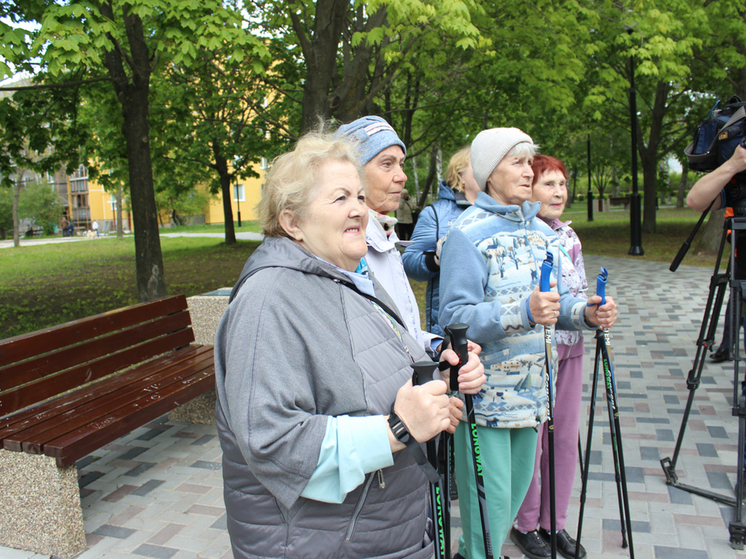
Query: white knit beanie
[[489, 148]]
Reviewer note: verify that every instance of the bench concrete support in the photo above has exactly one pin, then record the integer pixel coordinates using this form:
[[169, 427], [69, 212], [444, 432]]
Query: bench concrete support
[[206, 312], [40, 506]]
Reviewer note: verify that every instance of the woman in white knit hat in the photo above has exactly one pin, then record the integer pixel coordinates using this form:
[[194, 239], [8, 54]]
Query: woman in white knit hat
[[490, 266]]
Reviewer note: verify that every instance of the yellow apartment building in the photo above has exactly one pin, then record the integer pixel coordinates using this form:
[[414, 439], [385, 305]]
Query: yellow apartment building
[[86, 201]]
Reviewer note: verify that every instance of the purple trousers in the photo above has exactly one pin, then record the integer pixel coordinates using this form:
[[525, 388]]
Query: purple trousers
[[535, 508]]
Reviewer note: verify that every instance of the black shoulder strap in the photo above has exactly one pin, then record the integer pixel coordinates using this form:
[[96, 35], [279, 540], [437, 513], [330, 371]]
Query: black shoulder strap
[[388, 310], [437, 226]]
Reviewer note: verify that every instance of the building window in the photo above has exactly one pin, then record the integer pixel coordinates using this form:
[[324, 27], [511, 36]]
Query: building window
[[238, 194]]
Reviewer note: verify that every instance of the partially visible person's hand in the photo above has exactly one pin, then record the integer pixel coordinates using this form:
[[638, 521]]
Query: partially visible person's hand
[[424, 409], [471, 375], [604, 316], [544, 306], [437, 250], [456, 408]]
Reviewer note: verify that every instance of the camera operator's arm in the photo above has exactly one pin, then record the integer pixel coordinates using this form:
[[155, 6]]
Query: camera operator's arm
[[706, 189]]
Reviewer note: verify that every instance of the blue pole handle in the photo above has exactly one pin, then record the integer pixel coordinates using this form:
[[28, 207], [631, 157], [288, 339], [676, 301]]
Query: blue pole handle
[[546, 272], [601, 285]]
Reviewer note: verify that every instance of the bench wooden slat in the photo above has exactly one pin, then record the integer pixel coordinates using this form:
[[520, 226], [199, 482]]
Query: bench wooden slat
[[52, 408], [74, 446], [81, 353], [26, 346], [32, 439], [29, 394], [67, 390]]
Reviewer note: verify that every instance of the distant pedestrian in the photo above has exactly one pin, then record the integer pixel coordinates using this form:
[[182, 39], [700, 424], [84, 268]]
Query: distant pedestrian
[[95, 227], [64, 225], [405, 217]]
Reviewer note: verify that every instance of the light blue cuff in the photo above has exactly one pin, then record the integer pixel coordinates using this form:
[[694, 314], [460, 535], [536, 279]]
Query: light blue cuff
[[352, 447], [528, 311]]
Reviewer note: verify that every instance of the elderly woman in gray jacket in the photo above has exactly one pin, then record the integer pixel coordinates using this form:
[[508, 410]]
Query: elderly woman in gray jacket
[[316, 411]]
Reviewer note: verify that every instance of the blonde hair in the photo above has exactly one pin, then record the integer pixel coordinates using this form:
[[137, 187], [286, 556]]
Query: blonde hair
[[293, 176], [458, 163]]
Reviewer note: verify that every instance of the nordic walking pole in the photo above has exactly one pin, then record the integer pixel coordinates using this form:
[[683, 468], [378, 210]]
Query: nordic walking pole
[[589, 437], [423, 372], [615, 425], [546, 271], [459, 344]]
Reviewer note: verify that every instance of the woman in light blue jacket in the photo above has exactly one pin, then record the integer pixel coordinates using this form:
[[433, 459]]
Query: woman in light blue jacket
[[422, 258], [490, 268]]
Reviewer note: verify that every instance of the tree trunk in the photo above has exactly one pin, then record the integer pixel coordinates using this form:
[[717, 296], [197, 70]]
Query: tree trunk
[[416, 178], [682, 189], [574, 175], [649, 156], [16, 197], [711, 233], [133, 97], [120, 221], [221, 165], [320, 53], [650, 196], [431, 176]]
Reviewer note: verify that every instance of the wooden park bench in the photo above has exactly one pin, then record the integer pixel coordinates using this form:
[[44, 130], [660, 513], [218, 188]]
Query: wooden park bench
[[68, 390], [620, 201]]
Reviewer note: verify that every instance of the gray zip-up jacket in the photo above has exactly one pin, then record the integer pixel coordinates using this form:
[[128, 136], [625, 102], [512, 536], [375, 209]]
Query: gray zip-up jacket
[[299, 343]]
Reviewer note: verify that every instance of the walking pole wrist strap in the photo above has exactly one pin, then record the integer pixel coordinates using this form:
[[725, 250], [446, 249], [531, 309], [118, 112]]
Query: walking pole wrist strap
[[403, 435]]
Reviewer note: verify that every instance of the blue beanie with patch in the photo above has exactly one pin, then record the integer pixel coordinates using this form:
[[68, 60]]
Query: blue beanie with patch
[[372, 134]]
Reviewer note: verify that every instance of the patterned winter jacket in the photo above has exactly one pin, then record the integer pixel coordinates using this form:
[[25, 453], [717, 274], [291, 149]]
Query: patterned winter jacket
[[490, 264]]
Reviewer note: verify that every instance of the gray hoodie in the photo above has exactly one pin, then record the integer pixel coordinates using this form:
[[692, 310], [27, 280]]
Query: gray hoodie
[[299, 343]]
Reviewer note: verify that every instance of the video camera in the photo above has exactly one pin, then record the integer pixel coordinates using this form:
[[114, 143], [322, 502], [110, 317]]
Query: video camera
[[717, 137]]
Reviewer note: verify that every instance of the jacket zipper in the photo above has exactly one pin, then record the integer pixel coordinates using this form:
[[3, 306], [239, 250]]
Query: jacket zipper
[[359, 507], [381, 481]]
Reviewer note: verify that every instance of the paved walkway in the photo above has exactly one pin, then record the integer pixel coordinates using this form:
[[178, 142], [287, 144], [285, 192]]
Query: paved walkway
[[8, 243], [157, 492]]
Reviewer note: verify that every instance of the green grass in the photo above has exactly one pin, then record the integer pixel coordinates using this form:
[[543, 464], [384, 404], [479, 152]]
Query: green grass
[[246, 226], [609, 234], [44, 285]]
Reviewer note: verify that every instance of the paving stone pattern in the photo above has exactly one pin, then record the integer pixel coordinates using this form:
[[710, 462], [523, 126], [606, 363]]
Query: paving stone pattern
[[157, 492]]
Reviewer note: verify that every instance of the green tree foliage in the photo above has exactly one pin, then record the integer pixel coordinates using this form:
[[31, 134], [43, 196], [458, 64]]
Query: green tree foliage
[[351, 53], [6, 211], [217, 117], [39, 203], [658, 42], [37, 132], [127, 42], [180, 204]]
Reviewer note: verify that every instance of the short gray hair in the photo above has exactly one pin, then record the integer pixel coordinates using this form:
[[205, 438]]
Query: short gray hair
[[293, 176]]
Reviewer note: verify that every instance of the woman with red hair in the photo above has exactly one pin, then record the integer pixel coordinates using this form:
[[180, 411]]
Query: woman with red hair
[[550, 188]]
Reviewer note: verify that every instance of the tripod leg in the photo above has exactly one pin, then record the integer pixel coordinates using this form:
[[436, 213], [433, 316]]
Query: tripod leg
[[589, 438], [737, 528], [705, 341]]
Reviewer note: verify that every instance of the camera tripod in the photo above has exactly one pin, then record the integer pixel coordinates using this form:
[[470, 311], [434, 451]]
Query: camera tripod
[[735, 276]]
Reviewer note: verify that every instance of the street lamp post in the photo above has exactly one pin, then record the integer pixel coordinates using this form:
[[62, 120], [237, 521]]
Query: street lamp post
[[238, 202], [590, 191], [635, 248]]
